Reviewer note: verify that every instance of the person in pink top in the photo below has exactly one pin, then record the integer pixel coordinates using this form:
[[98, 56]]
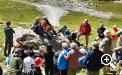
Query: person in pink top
[[72, 58]]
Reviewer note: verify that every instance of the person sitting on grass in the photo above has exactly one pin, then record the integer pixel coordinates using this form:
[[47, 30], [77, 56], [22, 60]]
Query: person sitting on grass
[[67, 34]]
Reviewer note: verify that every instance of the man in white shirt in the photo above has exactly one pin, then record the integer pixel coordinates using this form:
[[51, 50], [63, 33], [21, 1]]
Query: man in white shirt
[[27, 63]]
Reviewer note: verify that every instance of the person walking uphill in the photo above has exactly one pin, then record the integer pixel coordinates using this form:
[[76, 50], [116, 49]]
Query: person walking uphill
[[8, 38]]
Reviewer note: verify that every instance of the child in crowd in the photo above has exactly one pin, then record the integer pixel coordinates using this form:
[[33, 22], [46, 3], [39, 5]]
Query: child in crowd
[[38, 63]]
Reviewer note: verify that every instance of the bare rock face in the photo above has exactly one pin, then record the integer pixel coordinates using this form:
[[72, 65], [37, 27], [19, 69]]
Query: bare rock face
[[76, 5], [27, 37], [30, 39]]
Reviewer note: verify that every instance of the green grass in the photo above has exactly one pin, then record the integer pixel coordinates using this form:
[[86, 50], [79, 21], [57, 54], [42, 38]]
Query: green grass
[[22, 12], [17, 11], [74, 19], [109, 6]]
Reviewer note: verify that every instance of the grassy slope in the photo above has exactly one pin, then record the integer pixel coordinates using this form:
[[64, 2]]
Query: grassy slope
[[17, 12], [74, 19], [21, 12]]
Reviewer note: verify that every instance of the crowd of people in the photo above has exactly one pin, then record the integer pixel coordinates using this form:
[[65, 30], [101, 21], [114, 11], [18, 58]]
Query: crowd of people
[[73, 57]]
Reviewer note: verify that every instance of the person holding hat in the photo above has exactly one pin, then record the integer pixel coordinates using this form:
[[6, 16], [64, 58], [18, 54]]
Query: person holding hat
[[37, 70], [93, 60]]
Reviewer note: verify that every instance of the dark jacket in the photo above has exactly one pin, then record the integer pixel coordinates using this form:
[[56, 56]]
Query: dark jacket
[[100, 32], [48, 56], [9, 33], [93, 60], [36, 71]]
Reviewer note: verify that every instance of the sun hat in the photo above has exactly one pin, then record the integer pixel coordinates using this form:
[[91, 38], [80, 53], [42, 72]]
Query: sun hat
[[38, 61]]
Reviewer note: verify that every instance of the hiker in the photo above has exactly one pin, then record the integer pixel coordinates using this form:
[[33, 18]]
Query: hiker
[[62, 63], [47, 23], [114, 35], [85, 30], [67, 34], [106, 47], [36, 26], [49, 63], [15, 63], [62, 29], [49, 33], [100, 31], [36, 70], [8, 38], [27, 63], [72, 57], [117, 54], [92, 60]]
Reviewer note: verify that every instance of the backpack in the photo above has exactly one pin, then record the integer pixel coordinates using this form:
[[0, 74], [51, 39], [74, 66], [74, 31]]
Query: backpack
[[85, 28], [94, 62]]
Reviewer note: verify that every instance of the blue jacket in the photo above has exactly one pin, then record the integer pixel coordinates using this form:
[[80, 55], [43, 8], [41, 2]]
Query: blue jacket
[[62, 63]]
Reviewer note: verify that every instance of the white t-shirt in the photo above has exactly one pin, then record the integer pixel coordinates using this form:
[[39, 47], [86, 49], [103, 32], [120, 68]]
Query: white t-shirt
[[27, 62]]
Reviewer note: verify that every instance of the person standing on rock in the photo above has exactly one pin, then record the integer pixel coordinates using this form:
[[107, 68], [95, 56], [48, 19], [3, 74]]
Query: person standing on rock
[[8, 38], [85, 30]]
